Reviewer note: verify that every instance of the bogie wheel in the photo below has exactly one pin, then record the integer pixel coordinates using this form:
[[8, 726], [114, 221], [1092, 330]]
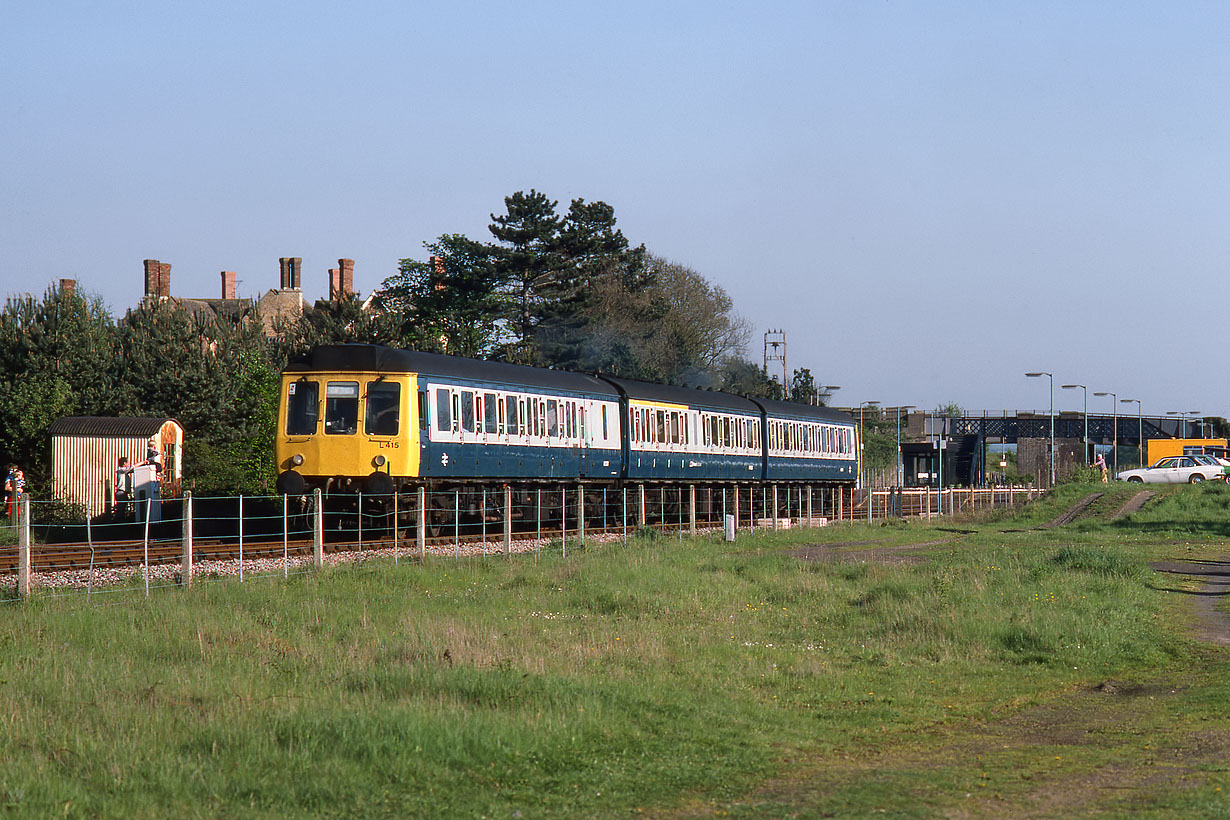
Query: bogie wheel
[[1196, 478]]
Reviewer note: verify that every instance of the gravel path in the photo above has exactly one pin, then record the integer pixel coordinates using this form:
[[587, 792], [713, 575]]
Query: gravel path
[[164, 574]]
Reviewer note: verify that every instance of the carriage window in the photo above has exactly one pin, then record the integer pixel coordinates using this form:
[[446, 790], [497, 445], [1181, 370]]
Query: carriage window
[[490, 411], [422, 409], [552, 418], [511, 407], [604, 435], [500, 405], [570, 419], [341, 408], [382, 416], [467, 411], [302, 408], [523, 428]]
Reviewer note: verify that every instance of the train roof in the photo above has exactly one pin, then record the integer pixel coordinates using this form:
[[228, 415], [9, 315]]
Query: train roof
[[806, 412], [363, 358], [692, 397]]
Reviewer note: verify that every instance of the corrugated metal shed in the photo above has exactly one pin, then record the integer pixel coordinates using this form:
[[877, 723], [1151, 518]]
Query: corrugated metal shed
[[85, 451]]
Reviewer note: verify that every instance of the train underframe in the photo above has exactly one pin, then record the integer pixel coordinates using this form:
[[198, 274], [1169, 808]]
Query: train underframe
[[474, 506]]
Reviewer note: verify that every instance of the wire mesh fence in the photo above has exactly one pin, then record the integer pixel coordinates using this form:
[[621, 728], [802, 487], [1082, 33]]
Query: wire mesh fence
[[150, 544]]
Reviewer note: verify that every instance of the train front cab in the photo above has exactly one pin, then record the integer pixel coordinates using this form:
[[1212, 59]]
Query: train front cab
[[347, 431]]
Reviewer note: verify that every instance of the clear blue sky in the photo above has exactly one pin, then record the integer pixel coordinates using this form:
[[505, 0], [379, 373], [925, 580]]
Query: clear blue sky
[[930, 198]]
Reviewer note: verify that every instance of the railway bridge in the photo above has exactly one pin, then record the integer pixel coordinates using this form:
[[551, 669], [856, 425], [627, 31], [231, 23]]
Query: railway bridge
[[963, 441]]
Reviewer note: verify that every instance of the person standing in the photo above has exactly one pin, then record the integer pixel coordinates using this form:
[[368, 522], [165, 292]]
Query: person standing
[[8, 492], [1101, 464], [14, 489]]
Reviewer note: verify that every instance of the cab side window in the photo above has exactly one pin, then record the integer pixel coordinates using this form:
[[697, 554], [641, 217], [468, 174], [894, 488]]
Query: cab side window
[[302, 408], [382, 415]]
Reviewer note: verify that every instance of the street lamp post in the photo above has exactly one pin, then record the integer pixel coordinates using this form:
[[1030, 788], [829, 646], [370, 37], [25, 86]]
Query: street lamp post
[[825, 391], [900, 475], [862, 470], [1140, 428], [1051, 379], [1085, 392], [1114, 416]]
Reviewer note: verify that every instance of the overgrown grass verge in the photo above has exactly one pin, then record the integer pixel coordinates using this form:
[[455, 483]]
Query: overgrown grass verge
[[642, 677]]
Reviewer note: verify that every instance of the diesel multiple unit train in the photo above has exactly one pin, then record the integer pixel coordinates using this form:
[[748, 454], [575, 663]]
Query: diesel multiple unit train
[[374, 420]]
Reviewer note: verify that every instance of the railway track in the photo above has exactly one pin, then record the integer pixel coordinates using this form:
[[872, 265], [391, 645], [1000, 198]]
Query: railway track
[[120, 554]]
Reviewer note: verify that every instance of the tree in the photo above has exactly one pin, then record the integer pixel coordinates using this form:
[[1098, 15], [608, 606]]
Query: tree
[[745, 378], [951, 410], [449, 304], [573, 330], [338, 321], [528, 259], [218, 376], [697, 330], [56, 359]]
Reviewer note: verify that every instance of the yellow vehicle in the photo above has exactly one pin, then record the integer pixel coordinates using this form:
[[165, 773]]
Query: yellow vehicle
[[1163, 447]]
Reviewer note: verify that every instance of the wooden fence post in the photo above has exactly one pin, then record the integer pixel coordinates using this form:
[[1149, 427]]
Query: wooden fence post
[[23, 547], [507, 520], [692, 509], [318, 530], [421, 524], [580, 513], [186, 569]]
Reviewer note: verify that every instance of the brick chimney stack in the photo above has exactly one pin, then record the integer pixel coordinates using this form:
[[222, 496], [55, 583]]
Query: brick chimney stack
[[290, 267], [346, 269], [68, 287], [335, 284], [157, 278], [230, 289], [151, 277]]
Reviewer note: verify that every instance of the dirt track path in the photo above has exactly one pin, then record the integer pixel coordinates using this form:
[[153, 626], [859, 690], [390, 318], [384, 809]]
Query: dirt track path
[[1214, 576]]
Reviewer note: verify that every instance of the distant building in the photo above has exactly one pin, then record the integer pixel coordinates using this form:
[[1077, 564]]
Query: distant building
[[277, 307]]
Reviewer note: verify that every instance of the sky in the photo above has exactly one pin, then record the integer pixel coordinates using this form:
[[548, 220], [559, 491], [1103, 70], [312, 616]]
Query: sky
[[929, 198]]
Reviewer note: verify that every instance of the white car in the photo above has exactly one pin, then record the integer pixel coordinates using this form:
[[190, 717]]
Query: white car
[[1175, 470]]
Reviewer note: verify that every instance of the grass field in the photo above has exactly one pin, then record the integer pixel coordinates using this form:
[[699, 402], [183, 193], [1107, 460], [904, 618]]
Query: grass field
[[999, 670]]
